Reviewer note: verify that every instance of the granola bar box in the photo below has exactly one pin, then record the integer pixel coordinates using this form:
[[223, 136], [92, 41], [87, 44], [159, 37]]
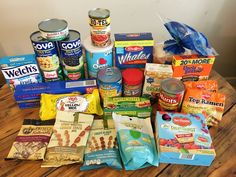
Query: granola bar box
[[183, 139]]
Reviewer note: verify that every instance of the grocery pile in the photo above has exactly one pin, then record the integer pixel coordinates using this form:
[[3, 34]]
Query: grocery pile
[[105, 120]]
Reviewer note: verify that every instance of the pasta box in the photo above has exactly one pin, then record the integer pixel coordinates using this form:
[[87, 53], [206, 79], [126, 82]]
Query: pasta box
[[183, 139], [192, 67], [133, 50]]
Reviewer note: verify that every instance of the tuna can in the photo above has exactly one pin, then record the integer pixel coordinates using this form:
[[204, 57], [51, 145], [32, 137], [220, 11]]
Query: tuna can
[[171, 95], [53, 29], [99, 21], [97, 58], [47, 57], [109, 82], [71, 56]]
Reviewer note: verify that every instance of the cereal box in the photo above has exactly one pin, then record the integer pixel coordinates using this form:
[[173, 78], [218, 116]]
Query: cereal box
[[192, 67], [20, 70], [154, 73], [133, 50], [183, 139]]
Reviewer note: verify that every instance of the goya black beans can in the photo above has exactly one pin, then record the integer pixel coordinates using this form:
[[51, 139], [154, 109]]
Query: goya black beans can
[[47, 57], [71, 56]]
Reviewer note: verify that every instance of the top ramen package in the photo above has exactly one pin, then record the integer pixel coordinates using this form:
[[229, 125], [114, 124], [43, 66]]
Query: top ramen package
[[20, 70], [69, 139], [211, 104], [32, 140], [210, 85], [136, 142], [102, 149]]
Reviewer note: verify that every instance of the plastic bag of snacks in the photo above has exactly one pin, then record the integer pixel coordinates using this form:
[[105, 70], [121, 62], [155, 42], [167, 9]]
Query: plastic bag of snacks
[[136, 142], [69, 139], [209, 85], [211, 104], [87, 103], [32, 140], [102, 150]]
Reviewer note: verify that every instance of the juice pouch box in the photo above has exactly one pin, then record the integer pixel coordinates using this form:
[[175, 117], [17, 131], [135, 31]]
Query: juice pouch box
[[183, 139], [20, 70], [192, 67], [133, 50]]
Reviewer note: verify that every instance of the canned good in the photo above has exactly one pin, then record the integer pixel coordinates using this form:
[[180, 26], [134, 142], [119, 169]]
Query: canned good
[[171, 95], [109, 82], [97, 58], [53, 29], [71, 56], [99, 20], [47, 57]]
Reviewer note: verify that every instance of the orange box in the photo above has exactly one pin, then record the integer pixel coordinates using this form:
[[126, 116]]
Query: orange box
[[192, 67]]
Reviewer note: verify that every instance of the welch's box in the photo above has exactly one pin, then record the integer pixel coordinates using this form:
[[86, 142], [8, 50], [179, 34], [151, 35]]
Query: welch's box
[[133, 50]]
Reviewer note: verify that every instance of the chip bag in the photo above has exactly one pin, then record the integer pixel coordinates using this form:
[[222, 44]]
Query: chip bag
[[87, 103], [209, 85], [211, 104], [136, 142]]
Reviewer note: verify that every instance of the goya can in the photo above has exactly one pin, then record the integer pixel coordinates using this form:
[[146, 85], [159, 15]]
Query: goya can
[[109, 82], [97, 58], [53, 29], [99, 21], [171, 95], [71, 56], [47, 57]]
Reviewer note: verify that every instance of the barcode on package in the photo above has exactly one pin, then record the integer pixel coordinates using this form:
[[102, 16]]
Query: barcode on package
[[187, 156], [81, 84]]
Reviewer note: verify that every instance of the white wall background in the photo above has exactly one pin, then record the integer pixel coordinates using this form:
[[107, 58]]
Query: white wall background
[[215, 18]]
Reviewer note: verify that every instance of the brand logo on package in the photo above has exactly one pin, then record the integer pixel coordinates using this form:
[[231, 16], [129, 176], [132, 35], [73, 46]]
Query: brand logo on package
[[181, 121], [70, 45], [72, 104], [134, 48], [43, 46], [101, 63], [129, 58]]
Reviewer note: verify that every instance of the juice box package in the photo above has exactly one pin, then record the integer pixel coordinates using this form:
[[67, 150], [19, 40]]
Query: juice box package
[[133, 50], [154, 74], [183, 139], [20, 70], [192, 67]]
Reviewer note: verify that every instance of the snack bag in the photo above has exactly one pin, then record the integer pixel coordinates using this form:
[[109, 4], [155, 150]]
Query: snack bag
[[32, 140], [102, 150], [87, 103], [136, 142], [69, 139], [209, 85], [211, 104]]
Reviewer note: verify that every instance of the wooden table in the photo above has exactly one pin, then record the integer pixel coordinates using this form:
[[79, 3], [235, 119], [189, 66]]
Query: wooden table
[[224, 138]]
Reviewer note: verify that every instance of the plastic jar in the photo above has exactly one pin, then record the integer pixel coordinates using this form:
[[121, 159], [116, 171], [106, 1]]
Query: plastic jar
[[133, 81]]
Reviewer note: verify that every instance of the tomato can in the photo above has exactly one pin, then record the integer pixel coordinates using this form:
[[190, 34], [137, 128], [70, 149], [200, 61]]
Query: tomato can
[[171, 95], [109, 82], [99, 21]]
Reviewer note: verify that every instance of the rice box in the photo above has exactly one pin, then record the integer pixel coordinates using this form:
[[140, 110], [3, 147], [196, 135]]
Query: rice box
[[183, 139]]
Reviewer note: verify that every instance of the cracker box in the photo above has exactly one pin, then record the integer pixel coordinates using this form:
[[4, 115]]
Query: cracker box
[[20, 70], [154, 73], [192, 67], [183, 139], [133, 50]]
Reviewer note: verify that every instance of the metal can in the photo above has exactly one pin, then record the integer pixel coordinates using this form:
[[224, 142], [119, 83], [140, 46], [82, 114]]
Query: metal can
[[47, 57], [171, 95], [109, 82], [97, 58], [53, 29], [99, 21], [71, 56]]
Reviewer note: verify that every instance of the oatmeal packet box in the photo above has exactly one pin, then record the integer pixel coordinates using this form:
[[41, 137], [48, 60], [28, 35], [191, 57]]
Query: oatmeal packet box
[[183, 139]]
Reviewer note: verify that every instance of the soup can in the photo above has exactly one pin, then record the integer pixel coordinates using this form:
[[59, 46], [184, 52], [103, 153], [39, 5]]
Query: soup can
[[71, 56], [47, 57], [53, 29], [97, 58], [99, 21], [171, 95], [109, 82]]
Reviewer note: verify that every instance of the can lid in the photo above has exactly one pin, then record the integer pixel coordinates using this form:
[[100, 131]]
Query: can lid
[[172, 85], [73, 35], [36, 37], [99, 13], [132, 76], [109, 75], [94, 49], [52, 25]]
